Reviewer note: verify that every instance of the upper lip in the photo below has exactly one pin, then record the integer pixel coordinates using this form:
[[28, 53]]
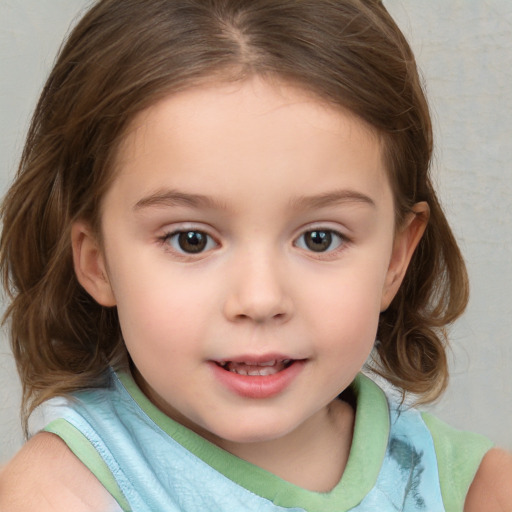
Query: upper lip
[[256, 359]]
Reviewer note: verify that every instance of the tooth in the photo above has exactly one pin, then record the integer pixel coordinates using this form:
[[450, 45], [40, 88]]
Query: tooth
[[256, 369], [267, 371]]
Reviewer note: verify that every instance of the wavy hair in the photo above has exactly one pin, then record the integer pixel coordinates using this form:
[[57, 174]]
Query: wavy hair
[[125, 55]]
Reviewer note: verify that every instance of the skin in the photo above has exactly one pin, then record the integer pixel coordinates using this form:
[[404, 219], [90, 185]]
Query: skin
[[255, 167], [45, 476], [282, 164]]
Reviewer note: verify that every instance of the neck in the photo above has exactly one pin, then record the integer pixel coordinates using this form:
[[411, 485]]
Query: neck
[[313, 456], [321, 445]]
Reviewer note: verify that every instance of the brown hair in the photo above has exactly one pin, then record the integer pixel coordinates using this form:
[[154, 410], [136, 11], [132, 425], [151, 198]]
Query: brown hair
[[123, 56]]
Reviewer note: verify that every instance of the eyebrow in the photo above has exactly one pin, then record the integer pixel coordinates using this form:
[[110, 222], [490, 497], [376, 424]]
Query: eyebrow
[[170, 198], [332, 198]]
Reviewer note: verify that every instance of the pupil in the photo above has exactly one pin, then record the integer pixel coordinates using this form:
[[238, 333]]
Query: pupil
[[318, 241], [192, 241]]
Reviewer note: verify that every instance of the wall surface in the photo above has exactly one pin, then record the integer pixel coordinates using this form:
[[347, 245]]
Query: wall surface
[[31, 32], [464, 48]]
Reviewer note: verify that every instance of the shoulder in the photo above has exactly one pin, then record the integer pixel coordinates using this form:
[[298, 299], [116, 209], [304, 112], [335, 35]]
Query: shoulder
[[46, 476], [491, 490]]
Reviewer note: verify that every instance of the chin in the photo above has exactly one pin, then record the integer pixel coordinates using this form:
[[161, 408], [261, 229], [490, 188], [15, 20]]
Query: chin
[[256, 432]]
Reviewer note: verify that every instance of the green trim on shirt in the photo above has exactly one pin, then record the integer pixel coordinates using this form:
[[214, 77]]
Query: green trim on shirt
[[88, 455], [371, 431], [458, 457]]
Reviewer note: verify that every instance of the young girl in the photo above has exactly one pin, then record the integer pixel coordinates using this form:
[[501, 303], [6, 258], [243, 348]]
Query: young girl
[[222, 210]]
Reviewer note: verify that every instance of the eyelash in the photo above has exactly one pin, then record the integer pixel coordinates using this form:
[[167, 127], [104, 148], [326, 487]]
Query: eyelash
[[327, 235], [180, 237], [203, 242]]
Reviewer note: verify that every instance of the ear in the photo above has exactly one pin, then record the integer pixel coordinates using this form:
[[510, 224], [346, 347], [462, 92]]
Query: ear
[[404, 245], [89, 263]]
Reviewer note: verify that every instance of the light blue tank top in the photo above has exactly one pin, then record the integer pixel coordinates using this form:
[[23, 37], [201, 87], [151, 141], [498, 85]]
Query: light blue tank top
[[400, 460]]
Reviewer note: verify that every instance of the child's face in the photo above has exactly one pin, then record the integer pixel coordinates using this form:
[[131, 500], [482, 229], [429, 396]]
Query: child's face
[[250, 229]]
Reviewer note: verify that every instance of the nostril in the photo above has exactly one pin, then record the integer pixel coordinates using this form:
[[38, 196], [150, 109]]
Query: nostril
[[258, 301]]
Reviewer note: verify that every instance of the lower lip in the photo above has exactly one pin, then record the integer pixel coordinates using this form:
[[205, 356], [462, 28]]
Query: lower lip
[[258, 386]]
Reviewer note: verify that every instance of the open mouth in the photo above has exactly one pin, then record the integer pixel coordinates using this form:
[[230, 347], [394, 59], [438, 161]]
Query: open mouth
[[258, 377], [264, 368]]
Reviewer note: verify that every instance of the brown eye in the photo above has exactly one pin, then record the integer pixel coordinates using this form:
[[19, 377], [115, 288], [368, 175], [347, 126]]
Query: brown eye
[[190, 242], [320, 240]]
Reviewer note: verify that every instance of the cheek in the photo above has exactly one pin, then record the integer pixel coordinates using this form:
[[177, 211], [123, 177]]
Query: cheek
[[345, 312], [349, 297], [161, 308]]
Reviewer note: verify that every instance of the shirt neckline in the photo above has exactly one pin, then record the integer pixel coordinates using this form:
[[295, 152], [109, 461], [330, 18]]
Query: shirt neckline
[[371, 432]]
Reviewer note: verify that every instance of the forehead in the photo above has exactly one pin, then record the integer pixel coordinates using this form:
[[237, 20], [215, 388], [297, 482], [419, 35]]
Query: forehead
[[251, 132], [258, 97]]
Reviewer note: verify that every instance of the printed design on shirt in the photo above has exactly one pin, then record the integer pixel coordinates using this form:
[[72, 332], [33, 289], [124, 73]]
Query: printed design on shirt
[[410, 468]]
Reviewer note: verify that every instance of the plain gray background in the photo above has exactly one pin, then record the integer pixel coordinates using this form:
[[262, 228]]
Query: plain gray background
[[464, 48]]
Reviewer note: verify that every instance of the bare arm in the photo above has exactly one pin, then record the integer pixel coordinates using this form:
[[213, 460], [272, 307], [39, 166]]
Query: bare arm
[[491, 490], [46, 476]]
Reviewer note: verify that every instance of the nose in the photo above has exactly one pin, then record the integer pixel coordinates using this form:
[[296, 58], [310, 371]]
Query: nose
[[257, 290]]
